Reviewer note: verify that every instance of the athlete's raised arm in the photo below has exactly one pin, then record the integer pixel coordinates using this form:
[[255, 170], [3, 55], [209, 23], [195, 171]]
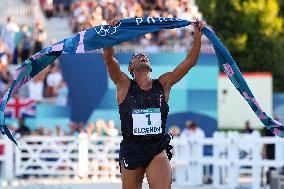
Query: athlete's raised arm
[[171, 78], [113, 67]]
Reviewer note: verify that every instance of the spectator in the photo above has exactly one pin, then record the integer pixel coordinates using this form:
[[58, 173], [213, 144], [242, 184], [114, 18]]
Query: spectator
[[91, 130], [72, 128], [62, 94], [5, 76], [80, 15], [61, 7], [39, 36], [48, 9], [100, 125], [148, 4], [39, 131], [58, 8], [81, 128], [58, 131], [248, 128], [53, 80], [110, 129], [23, 129], [46, 72], [269, 150], [3, 53], [35, 87], [49, 132], [5, 79], [174, 130], [42, 4], [192, 131], [106, 129], [25, 43]]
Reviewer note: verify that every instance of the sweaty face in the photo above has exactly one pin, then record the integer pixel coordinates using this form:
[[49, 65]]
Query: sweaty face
[[140, 63]]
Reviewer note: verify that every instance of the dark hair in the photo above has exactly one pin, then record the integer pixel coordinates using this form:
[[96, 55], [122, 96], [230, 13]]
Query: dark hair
[[9, 18], [134, 55], [190, 123]]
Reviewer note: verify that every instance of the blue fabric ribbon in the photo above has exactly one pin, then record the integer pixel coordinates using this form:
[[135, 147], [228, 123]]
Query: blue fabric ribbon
[[231, 69], [106, 36]]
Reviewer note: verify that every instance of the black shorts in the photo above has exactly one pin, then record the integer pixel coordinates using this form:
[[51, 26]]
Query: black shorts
[[139, 152]]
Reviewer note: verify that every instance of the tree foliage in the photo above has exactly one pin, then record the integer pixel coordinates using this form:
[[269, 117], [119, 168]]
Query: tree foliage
[[281, 4], [253, 31]]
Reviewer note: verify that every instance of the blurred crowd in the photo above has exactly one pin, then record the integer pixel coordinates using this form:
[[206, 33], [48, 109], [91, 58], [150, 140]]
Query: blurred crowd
[[95, 129], [18, 43], [84, 14], [191, 130], [48, 85], [55, 8]]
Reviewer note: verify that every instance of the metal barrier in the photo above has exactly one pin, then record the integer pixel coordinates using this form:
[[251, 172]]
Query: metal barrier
[[72, 156], [44, 155], [97, 158], [23, 12], [129, 48], [20, 11], [225, 160]]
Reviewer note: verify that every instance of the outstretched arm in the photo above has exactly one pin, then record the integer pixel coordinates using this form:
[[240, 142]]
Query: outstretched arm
[[113, 68], [171, 78]]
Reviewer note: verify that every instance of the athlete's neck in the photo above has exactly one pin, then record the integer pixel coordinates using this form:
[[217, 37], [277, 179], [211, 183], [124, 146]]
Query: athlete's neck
[[145, 83]]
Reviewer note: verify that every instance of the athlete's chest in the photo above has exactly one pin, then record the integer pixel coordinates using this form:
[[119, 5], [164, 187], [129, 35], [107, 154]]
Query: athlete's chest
[[146, 99]]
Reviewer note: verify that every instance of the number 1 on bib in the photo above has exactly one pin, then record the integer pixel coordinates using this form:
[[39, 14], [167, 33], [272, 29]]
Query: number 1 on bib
[[149, 119]]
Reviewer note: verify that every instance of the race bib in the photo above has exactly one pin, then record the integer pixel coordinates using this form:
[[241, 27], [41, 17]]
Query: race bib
[[146, 121]]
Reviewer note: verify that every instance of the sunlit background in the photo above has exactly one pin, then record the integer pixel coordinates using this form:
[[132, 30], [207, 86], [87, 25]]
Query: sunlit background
[[66, 118]]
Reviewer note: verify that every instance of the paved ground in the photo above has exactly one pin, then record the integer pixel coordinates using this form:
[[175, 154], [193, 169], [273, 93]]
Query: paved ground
[[104, 186], [90, 186], [75, 184]]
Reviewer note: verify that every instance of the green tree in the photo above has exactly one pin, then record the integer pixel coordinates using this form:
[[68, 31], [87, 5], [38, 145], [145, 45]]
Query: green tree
[[281, 4], [252, 30]]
